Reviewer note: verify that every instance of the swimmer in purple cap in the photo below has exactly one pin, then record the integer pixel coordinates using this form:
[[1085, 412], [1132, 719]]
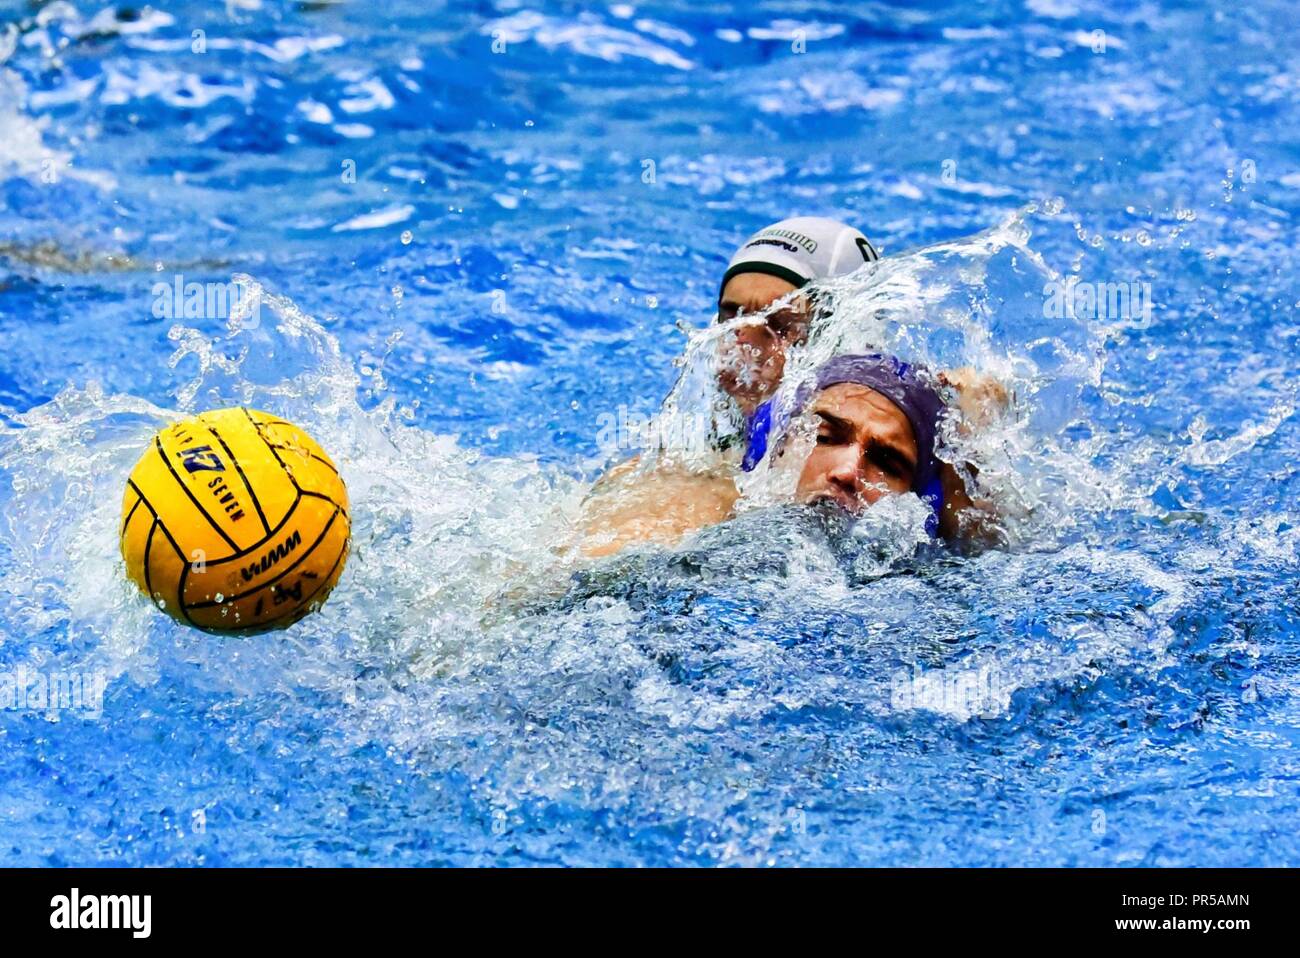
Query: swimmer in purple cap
[[877, 420], [877, 426]]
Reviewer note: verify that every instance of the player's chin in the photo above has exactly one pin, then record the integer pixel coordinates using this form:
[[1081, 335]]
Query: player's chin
[[832, 503], [736, 384]]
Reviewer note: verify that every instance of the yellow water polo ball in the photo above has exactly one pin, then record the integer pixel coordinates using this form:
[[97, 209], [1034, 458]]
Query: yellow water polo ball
[[235, 521]]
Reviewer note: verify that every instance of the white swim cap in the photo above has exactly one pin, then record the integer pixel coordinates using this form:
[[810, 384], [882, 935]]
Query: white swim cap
[[802, 249]]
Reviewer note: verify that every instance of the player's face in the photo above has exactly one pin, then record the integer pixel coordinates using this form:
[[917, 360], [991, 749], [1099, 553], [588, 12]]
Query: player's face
[[753, 357], [865, 449]]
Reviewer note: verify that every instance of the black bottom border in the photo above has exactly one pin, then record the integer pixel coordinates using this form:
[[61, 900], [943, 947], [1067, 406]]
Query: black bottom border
[[930, 906]]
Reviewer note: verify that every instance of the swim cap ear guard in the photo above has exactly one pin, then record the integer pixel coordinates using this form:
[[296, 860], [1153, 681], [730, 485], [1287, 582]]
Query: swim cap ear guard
[[932, 496]]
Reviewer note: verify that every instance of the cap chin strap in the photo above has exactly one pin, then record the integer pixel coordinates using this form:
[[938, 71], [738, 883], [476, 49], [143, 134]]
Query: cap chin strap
[[757, 427]]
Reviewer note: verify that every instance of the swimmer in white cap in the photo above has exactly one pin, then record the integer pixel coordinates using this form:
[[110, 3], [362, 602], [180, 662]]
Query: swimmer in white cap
[[770, 265]]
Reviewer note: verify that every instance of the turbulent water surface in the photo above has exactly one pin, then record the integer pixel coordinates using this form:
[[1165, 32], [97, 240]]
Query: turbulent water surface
[[467, 244]]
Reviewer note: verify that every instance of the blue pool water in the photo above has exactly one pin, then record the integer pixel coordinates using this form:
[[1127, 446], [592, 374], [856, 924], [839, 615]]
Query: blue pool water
[[478, 231]]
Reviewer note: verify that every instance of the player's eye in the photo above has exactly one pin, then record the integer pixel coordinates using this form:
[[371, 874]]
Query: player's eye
[[787, 324], [829, 435], [888, 462]]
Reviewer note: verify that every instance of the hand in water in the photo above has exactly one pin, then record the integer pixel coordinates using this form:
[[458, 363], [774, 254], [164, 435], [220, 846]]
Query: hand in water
[[980, 398]]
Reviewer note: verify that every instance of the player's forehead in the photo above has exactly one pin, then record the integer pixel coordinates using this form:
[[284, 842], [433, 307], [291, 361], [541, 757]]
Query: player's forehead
[[868, 413], [755, 290]]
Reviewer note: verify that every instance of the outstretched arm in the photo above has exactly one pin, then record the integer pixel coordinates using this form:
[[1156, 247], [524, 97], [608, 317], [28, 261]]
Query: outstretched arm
[[629, 505]]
